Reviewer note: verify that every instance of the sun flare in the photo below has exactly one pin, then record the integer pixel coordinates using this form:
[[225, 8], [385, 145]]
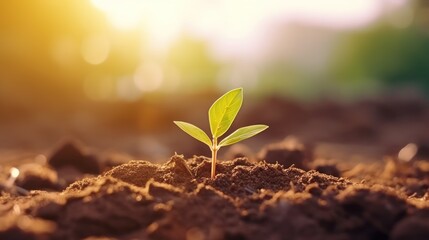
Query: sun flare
[[233, 25]]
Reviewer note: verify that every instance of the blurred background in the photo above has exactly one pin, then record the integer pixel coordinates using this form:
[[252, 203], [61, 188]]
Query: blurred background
[[114, 74]]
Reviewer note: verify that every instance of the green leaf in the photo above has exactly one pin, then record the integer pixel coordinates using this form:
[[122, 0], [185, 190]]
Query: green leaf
[[194, 131], [224, 110], [241, 134]]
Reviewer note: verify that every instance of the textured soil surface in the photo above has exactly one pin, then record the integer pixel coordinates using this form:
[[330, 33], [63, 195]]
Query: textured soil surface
[[344, 171], [246, 200]]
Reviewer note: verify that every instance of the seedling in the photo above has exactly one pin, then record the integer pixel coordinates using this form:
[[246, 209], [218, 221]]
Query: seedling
[[221, 115]]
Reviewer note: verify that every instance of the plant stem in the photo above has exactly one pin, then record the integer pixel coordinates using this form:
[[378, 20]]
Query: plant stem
[[214, 157]]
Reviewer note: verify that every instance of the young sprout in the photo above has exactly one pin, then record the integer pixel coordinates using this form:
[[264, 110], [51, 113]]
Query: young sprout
[[221, 115]]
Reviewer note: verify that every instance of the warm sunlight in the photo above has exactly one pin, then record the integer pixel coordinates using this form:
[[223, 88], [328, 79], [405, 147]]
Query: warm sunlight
[[122, 14], [229, 23], [243, 33], [214, 119], [162, 20]]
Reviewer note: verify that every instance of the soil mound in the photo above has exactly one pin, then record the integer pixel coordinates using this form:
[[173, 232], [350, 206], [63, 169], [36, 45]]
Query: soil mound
[[178, 200]]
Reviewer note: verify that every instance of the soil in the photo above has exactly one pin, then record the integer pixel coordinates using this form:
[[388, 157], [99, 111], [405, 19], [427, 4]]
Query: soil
[[246, 200], [313, 186]]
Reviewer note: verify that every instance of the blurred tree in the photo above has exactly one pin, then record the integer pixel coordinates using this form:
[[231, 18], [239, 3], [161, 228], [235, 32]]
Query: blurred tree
[[384, 54]]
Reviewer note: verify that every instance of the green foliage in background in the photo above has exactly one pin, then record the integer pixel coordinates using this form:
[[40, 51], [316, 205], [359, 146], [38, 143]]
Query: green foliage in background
[[385, 55]]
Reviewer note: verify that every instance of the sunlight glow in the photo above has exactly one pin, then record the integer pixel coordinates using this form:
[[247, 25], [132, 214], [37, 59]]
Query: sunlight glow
[[244, 34], [14, 172], [335, 13], [234, 28], [123, 14], [235, 21], [95, 49], [148, 77]]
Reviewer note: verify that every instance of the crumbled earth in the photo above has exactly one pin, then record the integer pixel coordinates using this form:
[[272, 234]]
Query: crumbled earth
[[246, 200], [289, 152]]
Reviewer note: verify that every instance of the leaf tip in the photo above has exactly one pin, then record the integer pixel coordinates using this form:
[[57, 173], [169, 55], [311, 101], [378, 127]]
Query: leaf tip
[[240, 90]]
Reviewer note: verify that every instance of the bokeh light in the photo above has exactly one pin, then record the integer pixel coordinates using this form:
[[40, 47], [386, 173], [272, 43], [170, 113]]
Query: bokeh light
[[73, 65], [123, 14], [148, 77], [301, 49], [95, 49]]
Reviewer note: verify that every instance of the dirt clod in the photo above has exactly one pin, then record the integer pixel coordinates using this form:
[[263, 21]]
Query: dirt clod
[[289, 152], [73, 154]]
